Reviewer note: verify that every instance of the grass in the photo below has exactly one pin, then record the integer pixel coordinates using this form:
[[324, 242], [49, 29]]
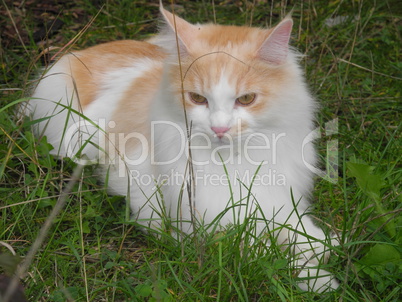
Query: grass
[[92, 253]]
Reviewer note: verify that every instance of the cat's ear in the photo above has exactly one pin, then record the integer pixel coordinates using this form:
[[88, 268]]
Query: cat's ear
[[185, 31], [275, 48]]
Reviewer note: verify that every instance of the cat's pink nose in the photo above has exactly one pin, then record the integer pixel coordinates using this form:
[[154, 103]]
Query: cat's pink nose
[[220, 131]]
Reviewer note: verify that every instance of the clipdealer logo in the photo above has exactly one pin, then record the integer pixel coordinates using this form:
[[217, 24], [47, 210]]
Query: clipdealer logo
[[87, 143]]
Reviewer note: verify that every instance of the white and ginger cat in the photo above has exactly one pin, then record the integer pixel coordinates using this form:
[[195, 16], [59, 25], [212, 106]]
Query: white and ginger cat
[[232, 101]]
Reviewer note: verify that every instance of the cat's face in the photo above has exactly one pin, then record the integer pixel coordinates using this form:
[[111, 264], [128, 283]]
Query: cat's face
[[228, 77], [225, 97]]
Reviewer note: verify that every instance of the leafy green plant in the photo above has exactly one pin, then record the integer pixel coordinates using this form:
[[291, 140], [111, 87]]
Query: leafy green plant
[[153, 292], [382, 257]]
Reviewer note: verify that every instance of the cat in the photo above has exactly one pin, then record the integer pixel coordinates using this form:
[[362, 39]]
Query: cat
[[198, 121]]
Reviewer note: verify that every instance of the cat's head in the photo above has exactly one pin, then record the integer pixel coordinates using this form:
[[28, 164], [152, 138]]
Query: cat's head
[[232, 80]]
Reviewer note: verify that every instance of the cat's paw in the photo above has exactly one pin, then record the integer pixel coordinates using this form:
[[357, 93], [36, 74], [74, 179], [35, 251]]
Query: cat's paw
[[316, 280]]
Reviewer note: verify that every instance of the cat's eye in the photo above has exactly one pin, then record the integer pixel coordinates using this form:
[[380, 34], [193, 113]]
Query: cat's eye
[[246, 99], [198, 98]]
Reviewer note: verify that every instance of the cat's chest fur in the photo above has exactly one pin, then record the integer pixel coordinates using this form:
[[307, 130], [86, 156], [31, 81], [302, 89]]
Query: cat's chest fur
[[223, 172]]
